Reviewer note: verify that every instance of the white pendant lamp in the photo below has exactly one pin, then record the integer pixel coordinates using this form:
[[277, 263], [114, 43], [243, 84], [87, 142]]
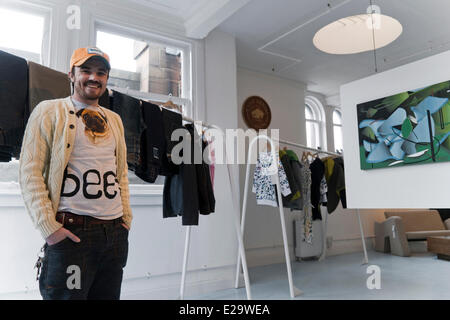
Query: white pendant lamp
[[355, 34]]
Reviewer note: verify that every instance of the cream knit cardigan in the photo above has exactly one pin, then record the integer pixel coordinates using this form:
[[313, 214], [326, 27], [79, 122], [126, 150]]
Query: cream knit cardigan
[[47, 144]]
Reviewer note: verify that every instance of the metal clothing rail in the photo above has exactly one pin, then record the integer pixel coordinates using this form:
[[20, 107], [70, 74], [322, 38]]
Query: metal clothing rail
[[235, 205], [293, 144], [366, 259]]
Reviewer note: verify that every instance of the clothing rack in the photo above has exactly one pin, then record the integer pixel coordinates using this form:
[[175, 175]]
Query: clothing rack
[[361, 229], [292, 289], [235, 205]]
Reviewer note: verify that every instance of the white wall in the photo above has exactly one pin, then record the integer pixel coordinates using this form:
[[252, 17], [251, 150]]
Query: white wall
[[415, 186]]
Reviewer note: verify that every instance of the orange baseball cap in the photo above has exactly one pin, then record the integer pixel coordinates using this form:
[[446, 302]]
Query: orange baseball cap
[[81, 55]]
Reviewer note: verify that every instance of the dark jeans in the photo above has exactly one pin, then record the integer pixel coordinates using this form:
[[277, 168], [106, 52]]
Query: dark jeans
[[100, 256]]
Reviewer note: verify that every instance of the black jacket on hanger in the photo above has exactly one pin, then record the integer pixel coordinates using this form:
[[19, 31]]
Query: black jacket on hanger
[[14, 111], [192, 186]]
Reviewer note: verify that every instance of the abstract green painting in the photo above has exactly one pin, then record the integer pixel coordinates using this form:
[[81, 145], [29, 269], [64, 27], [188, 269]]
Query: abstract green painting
[[411, 127]]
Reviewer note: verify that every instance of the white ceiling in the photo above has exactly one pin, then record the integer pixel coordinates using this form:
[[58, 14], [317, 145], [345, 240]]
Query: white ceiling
[[181, 8], [198, 17], [275, 37]]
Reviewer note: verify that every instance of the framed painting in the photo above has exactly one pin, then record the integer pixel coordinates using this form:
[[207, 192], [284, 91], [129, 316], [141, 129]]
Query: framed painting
[[408, 128]]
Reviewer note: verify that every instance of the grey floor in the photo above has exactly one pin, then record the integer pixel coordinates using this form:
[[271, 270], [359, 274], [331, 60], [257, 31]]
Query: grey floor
[[421, 276]]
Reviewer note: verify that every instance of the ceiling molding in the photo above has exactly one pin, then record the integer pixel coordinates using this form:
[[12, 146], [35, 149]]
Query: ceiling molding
[[209, 15]]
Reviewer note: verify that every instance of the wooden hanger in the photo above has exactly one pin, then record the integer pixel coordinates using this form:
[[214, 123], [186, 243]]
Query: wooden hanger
[[309, 156], [170, 105], [305, 156]]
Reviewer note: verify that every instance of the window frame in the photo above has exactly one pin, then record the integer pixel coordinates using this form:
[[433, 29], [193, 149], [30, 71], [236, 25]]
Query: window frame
[[319, 119], [186, 73], [41, 10]]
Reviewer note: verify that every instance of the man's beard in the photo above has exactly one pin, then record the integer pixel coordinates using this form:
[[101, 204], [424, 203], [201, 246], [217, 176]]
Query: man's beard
[[82, 91]]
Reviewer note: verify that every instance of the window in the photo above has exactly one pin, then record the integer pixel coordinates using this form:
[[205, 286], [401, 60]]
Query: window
[[27, 40], [314, 124], [153, 68], [337, 131], [145, 65]]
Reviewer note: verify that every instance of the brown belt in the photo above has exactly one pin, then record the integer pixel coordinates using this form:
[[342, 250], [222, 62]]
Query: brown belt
[[68, 218]]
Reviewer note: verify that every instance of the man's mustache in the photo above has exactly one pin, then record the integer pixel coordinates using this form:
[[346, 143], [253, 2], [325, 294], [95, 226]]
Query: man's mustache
[[93, 83]]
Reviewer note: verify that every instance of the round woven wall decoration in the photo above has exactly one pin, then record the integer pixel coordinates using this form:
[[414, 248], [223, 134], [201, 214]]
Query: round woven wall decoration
[[256, 113]]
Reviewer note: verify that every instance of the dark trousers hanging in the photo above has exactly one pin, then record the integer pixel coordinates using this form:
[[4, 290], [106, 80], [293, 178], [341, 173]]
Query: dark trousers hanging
[[13, 104]]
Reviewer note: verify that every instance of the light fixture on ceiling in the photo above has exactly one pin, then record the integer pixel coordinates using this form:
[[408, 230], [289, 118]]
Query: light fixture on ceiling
[[359, 33]]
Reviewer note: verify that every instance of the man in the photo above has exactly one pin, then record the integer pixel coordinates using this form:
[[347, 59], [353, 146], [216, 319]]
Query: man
[[73, 178]]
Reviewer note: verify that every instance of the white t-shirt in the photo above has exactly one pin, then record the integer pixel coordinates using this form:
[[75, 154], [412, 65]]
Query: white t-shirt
[[90, 186]]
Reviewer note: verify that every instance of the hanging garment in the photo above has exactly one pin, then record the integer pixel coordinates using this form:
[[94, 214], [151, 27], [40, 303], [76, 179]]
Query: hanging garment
[[212, 161], [297, 170], [14, 111], [295, 190], [129, 109], [336, 184], [173, 196], [329, 166], [297, 203], [323, 191], [317, 171], [46, 84], [263, 182], [171, 121], [206, 199], [188, 172], [152, 144], [192, 184], [105, 100], [306, 192], [342, 195]]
